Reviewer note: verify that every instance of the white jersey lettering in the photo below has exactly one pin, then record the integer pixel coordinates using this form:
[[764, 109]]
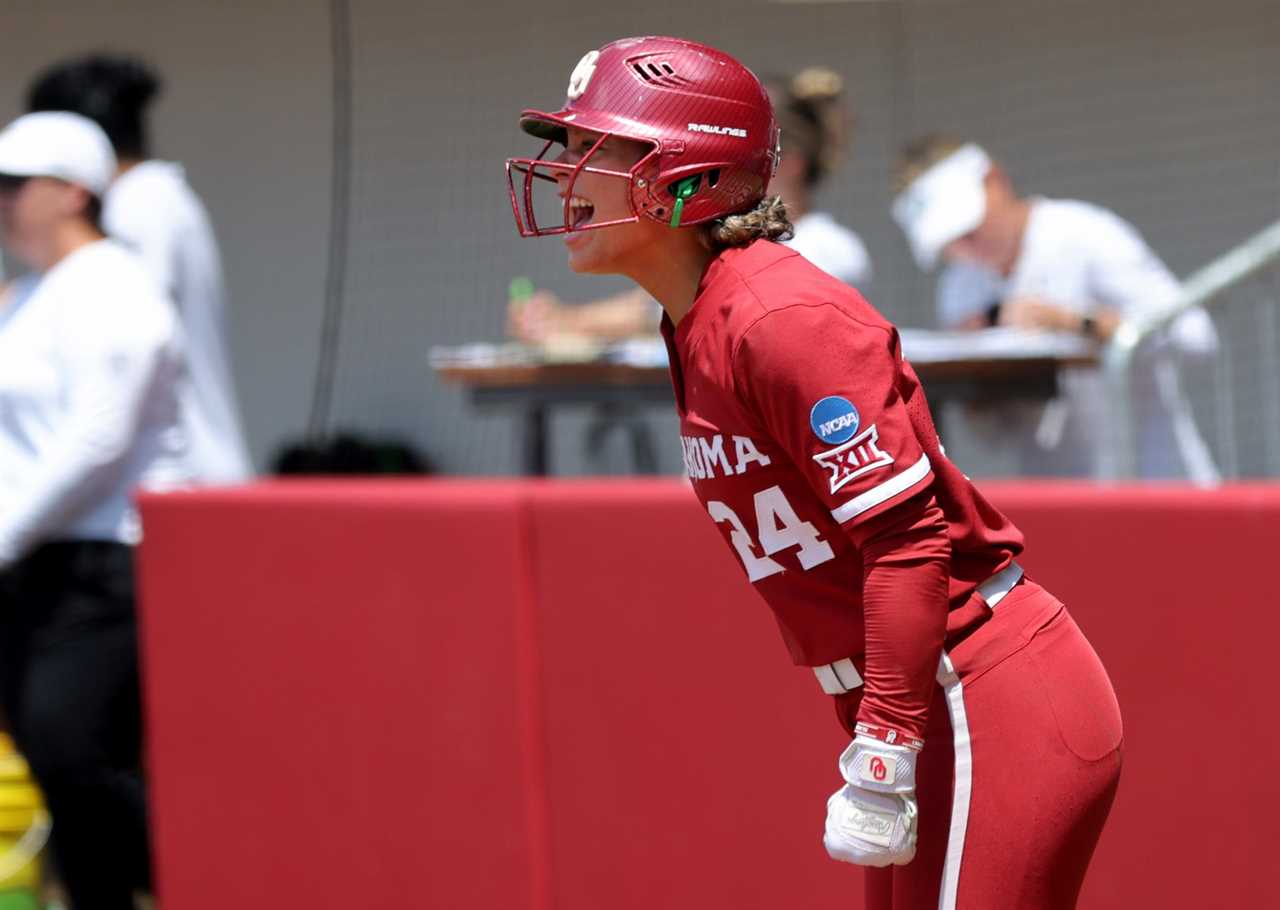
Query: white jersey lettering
[[779, 528], [707, 456], [746, 452], [713, 454]]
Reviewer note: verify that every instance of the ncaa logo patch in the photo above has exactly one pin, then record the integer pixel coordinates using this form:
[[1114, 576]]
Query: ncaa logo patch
[[834, 419]]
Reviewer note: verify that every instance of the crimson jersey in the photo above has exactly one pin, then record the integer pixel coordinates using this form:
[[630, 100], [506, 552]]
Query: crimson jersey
[[803, 428]]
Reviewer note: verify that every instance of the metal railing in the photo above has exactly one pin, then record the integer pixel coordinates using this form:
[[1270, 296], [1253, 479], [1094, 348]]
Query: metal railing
[[1201, 288]]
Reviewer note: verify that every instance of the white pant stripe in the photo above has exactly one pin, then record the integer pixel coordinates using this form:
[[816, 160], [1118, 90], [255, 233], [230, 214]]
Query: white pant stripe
[[963, 784]]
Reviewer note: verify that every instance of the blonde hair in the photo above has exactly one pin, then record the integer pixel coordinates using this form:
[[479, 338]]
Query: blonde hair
[[814, 121], [767, 221], [920, 154]]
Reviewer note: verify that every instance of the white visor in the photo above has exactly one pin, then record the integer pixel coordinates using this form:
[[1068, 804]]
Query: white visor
[[58, 144], [944, 203]]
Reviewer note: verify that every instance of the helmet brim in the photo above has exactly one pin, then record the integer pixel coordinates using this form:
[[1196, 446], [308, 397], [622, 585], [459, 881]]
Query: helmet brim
[[553, 127], [549, 127]]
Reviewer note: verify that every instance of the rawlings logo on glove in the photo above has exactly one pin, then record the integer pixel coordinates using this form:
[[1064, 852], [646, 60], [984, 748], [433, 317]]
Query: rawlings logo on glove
[[871, 820]]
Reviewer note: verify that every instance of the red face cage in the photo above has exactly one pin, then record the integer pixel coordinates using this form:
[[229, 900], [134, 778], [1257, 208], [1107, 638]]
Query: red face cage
[[553, 171]]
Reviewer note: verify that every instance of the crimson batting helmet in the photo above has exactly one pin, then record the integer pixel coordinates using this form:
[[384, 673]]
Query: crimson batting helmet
[[706, 116]]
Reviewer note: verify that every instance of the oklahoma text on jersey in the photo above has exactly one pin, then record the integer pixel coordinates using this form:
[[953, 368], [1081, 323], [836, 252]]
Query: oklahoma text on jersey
[[704, 454]]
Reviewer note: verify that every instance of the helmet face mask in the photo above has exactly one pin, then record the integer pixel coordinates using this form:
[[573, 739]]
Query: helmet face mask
[[706, 118], [541, 168]]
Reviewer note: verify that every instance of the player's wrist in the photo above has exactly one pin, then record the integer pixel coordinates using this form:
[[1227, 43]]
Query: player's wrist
[[873, 764], [891, 736]]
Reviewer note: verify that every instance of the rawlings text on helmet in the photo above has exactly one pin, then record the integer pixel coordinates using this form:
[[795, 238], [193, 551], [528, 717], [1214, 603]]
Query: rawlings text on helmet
[[717, 130]]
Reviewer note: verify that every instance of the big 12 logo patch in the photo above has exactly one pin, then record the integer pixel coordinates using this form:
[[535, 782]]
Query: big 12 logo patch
[[860, 455]]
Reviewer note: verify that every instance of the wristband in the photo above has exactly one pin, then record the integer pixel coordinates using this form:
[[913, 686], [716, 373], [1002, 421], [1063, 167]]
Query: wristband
[[889, 736]]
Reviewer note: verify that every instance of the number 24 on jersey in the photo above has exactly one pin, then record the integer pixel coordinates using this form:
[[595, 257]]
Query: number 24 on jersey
[[780, 528]]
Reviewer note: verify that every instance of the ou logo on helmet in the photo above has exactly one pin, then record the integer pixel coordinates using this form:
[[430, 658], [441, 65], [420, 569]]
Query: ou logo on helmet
[[582, 74]]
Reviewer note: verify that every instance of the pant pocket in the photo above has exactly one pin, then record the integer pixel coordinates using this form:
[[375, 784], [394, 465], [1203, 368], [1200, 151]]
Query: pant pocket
[[1077, 688]]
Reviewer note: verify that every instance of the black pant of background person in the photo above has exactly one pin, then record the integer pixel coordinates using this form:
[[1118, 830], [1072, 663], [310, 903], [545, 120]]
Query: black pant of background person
[[69, 685]]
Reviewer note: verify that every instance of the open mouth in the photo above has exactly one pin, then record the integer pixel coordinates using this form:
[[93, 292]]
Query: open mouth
[[580, 212]]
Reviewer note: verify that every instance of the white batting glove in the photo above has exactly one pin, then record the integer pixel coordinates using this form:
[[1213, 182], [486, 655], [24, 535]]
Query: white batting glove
[[871, 820]]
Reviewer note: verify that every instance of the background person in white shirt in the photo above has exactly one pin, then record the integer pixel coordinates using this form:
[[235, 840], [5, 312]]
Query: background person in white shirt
[[811, 111], [90, 371], [1057, 265], [151, 209], [816, 124]]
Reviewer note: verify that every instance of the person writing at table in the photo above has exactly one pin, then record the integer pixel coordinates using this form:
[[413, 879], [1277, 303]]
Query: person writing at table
[[1054, 265]]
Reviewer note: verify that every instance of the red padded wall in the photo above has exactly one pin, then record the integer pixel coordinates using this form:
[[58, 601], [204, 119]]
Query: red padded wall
[[690, 761], [333, 714], [565, 695], [1176, 588]]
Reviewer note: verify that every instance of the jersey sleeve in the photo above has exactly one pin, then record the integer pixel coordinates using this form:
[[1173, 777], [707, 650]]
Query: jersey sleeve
[[825, 385], [905, 570]]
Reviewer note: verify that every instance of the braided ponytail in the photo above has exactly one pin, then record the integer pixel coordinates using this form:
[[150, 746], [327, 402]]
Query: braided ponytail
[[767, 221]]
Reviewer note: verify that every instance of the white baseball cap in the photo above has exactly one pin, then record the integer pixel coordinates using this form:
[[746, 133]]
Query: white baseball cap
[[944, 203], [58, 144]]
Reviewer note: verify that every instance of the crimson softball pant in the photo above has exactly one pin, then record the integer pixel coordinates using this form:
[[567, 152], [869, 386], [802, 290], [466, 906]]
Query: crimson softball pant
[[1019, 769]]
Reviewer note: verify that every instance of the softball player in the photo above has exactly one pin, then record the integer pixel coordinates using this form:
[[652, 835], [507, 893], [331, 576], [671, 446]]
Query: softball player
[[986, 737]]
